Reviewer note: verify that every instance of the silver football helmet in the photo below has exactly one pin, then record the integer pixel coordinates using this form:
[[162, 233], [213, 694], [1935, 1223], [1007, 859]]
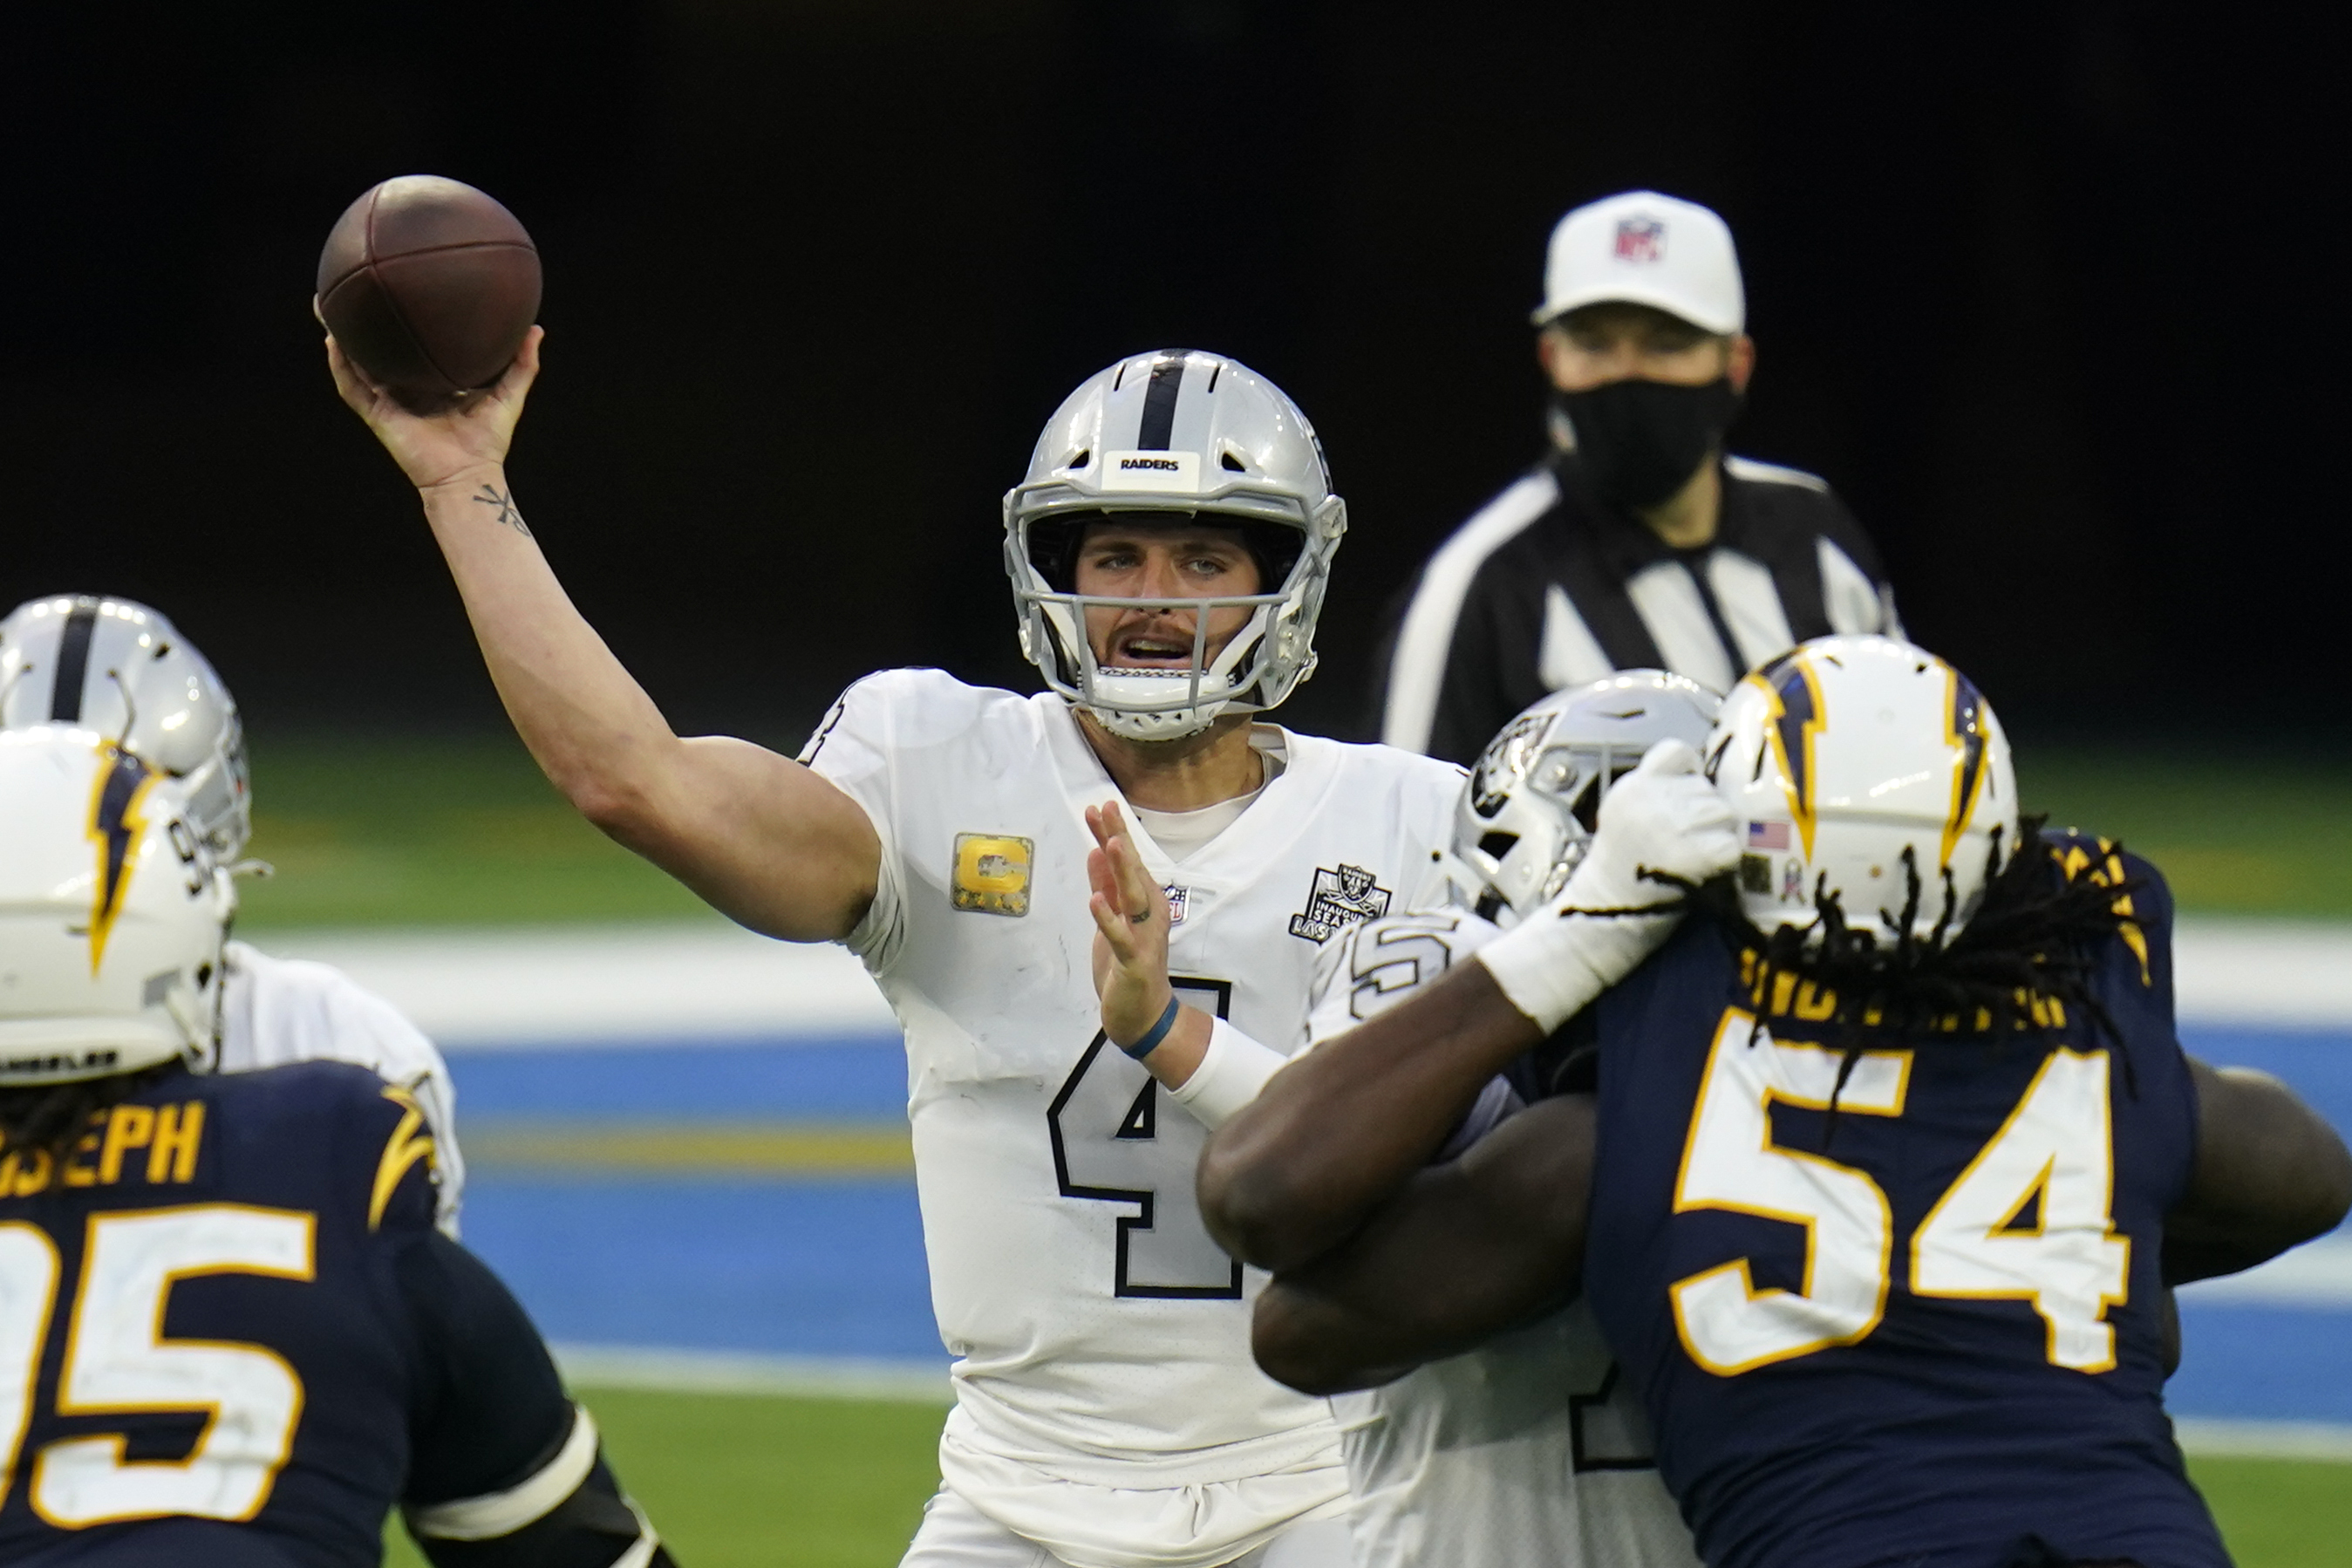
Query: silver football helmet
[[1528, 808], [1184, 435], [120, 669]]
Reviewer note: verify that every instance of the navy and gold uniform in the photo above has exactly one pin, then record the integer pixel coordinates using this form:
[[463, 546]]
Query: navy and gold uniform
[[1923, 1328], [229, 1333]]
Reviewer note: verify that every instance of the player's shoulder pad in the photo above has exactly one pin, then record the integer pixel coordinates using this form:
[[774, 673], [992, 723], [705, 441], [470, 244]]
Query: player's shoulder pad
[[897, 708], [1395, 954], [2146, 897], [319, 1093], [401, 1158], [331, 991], [1409, 776], [325, 1115]]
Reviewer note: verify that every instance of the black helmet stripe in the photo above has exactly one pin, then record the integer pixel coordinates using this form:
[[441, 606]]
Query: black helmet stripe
[[73, 663], [1159, 402]]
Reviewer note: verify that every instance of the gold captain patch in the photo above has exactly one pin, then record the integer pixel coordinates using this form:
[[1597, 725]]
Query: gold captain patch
[[991, 873]]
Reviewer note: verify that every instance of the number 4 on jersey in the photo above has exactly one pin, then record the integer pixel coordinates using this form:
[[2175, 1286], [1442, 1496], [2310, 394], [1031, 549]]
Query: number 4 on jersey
[[1118, 1140]]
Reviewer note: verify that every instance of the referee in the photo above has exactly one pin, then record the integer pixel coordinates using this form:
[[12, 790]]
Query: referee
[[1640, 544]]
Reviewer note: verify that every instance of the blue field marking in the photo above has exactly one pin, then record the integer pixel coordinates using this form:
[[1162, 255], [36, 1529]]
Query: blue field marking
[[821, 1269], [835, 1267], [2317, 1064], [852, 1079], [2268, 1364]]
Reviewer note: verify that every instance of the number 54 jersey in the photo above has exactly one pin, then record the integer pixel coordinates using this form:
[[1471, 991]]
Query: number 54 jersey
[[1100, 1336], [1925, 1328]]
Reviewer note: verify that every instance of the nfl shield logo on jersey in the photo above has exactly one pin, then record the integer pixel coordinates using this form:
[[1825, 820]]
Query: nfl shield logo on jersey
[[1642, 239], [1338, 900]]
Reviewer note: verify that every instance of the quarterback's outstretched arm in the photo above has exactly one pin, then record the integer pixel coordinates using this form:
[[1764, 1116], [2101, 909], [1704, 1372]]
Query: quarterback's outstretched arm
[[766, 841]]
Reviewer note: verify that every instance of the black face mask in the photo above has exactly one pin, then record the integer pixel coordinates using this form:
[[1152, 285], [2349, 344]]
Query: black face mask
[[1641, 441]]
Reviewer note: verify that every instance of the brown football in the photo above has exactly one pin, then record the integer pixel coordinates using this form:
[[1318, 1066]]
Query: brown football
[[430, 287]]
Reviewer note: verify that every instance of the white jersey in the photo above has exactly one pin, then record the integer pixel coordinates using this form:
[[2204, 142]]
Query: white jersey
[[1529, 1449], [1106, 1405], [280, 1010]]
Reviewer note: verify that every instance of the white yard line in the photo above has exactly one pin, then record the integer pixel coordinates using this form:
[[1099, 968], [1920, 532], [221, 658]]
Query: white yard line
[[2293, 973], [743, 1372], [603, 985], [2325, 1440], [691, 981], [2317, 1274], [926, 1383]]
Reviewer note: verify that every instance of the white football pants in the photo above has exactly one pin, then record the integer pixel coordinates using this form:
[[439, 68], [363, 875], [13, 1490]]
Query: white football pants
[[954, 1534]]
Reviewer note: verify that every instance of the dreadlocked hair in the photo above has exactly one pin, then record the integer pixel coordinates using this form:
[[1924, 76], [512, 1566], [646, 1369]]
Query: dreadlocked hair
[[52, 1116], [2027, 957]]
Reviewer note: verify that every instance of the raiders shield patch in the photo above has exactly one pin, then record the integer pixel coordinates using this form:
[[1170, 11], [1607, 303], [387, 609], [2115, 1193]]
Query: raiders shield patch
[[1338, 898]]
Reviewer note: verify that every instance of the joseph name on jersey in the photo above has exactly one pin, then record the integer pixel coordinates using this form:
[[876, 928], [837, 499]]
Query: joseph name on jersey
[[1531, 1448], [1100, 1335]]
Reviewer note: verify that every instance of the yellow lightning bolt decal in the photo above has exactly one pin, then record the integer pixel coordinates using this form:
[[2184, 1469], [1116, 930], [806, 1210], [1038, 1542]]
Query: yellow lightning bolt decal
[[115, 825]]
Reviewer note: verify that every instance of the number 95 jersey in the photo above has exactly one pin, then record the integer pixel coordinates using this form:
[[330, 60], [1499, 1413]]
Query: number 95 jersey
[[1926, 1328], [1100, 1335]]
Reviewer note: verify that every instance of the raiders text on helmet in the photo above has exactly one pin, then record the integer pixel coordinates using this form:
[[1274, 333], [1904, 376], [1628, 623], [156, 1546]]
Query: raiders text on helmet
[[112, 914], [1853, 763], [1182, 435], [1530, 804], [122, 669]]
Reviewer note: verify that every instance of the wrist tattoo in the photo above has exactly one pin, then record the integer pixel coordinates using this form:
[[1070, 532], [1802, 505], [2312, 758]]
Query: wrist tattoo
[[507, 513]]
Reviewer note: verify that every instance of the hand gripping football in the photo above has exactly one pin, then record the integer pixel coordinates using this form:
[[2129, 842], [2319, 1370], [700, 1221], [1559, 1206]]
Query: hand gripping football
[[430, 287]]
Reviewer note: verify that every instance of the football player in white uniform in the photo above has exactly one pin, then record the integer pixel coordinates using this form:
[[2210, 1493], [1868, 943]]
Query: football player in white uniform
[[120, 669], [1169, 549], [1527, 1449]]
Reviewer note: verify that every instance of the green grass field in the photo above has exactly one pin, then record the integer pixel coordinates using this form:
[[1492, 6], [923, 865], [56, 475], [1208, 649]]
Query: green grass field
[[737, 1481], [379, 831]]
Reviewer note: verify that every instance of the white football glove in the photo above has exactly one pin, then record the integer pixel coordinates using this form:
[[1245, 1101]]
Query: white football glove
[[1663, 816]]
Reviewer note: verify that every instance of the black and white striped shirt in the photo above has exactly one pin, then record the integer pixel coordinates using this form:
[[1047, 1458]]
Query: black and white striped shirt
[[1545, 588]]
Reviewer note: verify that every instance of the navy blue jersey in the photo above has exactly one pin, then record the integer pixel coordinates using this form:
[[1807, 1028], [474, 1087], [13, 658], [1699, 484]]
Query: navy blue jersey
[[223, 1332], [1924, 1327]]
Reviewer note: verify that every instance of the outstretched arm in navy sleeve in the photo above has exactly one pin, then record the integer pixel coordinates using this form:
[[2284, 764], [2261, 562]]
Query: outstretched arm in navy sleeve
[[505, 1471]]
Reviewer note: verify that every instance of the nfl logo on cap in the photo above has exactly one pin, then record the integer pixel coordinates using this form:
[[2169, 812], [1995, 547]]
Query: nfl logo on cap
[[1615, 251], [1640, 239]]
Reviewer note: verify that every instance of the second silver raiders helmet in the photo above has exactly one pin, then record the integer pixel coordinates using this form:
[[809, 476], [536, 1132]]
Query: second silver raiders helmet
[[112, 914], [1529, 806], [1855, 762], [122, 669], [1186, 434]]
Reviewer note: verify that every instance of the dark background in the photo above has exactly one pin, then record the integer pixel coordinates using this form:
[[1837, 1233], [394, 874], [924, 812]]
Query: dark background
[[2050, 293]]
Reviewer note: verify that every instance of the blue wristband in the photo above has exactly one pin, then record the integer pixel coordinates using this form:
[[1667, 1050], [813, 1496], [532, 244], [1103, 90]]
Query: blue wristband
[[1156, 1033]]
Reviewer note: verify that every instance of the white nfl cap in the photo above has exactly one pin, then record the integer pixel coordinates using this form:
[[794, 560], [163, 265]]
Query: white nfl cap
[[1646, 249]]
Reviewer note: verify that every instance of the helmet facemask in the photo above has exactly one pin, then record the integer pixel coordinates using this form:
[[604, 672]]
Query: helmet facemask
[[142, 685], [1176, 437], [1259, 663], [1531, 805]]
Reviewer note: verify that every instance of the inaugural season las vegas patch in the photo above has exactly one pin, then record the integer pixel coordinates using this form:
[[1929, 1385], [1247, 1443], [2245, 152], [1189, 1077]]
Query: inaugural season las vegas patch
[[991, 873], [1338, 900]]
